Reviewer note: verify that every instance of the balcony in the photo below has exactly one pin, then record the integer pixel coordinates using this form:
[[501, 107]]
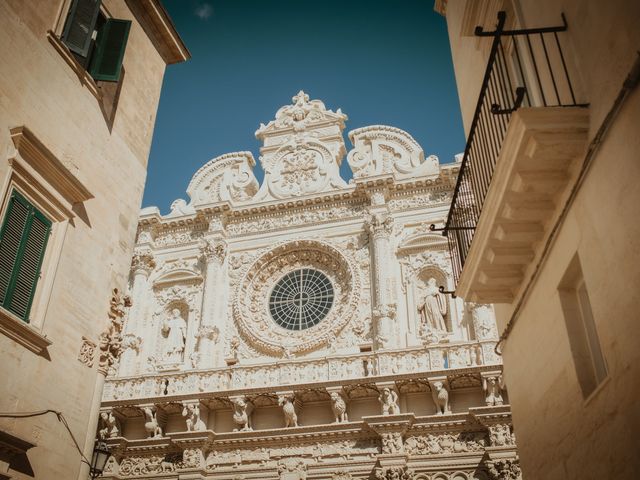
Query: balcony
[[526, 138]]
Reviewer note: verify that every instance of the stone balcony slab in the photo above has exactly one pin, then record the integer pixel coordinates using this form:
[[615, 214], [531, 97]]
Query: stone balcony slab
[[528, 189]]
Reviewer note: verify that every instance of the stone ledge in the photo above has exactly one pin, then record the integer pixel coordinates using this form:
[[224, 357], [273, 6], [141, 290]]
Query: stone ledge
[[532, 176], [22, 333]]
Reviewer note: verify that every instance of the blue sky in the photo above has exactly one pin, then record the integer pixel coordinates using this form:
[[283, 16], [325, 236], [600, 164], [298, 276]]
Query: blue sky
[[382, 62]]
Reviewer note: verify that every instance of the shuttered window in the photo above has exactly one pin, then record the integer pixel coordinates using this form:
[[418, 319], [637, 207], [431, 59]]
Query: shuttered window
[[23, 240], [80, 24], [106, 61]]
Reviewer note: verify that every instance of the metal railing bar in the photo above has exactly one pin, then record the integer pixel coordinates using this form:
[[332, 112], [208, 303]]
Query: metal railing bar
[[564, 67], [535, 69], [553, 78]]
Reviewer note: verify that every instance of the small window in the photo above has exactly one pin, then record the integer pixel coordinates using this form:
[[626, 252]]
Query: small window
[[591, 368], [23, 240], [96, 41]]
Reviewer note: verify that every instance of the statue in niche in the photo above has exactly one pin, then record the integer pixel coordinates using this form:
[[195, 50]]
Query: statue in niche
[[434, 307], [175, 331]]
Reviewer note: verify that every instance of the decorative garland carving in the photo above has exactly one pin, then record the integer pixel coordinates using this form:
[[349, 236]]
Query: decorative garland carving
[[110, 340], [250, 307]]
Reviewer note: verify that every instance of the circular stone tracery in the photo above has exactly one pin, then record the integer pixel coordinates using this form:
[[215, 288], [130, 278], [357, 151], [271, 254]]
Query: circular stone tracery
[[301, 299], [251, 306]]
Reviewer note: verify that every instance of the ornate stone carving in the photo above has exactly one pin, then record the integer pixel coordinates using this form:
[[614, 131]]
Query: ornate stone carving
[[191, 411], [440, 396], [192, 458], [242, 411], [131, 341], [433, 307], [484, 323], [286, 401], [87, 352], [292, 469], [228, 177], [421, 200], [250, 307], [341, 475], [392, 442], [214, 250], [383, 150], [298, 156], [109, 425], [500, 435], [378, 224], [445, 443], [143, 262], [110, 340], [174, 330], [210, 332], [288, 220], [155, 420], [394, 473], [136, 466], [504, 469], [388, 399], [493, 386], [339, 407]]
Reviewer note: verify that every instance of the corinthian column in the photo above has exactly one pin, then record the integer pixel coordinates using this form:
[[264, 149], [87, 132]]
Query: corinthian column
[[142, 265], [214, 251], [379, 225]]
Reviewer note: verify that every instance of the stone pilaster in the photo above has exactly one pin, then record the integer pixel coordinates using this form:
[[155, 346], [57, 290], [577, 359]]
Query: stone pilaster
[[379, 226], [214, 252]]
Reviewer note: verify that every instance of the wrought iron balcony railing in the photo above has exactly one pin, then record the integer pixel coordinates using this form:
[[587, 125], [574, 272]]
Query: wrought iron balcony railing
[[526, 68]]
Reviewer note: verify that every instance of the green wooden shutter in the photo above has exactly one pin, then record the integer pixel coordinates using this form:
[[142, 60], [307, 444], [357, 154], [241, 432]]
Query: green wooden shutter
[[23, 241], [80, 25], [106, 61]]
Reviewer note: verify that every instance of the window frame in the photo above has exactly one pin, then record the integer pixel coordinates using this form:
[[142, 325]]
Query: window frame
[[36, 174]]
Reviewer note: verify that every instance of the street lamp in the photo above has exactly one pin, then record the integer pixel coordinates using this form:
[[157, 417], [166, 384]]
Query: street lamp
[[99, 459]]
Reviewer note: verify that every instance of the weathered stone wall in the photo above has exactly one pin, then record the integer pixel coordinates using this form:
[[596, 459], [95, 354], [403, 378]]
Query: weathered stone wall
[[40, 90]]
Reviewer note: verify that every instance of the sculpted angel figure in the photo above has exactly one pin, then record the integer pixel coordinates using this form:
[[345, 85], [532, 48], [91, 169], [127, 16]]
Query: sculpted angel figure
[[389, 401], [175, 330], [434, 307]]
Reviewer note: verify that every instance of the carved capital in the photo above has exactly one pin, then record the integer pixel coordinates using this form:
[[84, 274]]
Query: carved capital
[[209, 332], [214, 250], [131, 341], [378, 224], [142, 262], [501, 435]]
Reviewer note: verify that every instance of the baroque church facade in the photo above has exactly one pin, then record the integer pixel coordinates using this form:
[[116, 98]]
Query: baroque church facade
[[294, 329]]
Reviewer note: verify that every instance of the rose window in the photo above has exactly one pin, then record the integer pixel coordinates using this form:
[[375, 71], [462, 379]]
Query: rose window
[[301, 299]]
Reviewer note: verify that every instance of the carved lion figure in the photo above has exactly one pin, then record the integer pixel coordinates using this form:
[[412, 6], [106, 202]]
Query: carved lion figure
[[441, 398], [242, 410], [339, 407], [289, 410]]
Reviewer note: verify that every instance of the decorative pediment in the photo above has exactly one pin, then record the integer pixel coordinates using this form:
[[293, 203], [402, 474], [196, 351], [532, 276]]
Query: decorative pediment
[[380, 150], [301, 115], [228, 177], [178, 272], [302, 151]]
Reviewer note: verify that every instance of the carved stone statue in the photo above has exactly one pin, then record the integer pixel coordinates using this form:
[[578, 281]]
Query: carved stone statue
[[493, 387], [434, 307], [175, 331], [152, 423], [242, 410], [440, 398], [289, 410], [339, 407], [109, 423], [194, 422], [389, 401]]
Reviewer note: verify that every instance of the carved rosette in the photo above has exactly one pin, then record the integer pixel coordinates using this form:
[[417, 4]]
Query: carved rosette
[[250, 307]]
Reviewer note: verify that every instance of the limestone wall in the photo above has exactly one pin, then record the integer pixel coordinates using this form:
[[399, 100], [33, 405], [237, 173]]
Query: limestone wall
[[41, 91]]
